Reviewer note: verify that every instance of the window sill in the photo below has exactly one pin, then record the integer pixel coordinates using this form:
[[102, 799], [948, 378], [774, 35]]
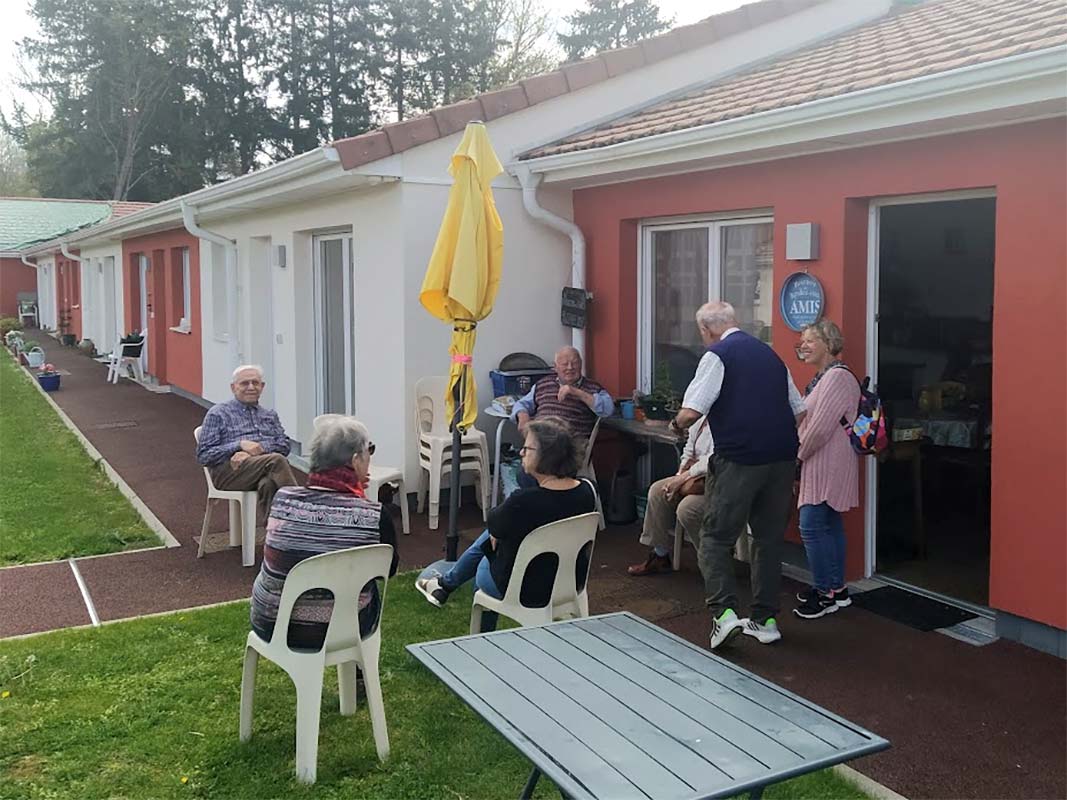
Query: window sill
[[184, 331]]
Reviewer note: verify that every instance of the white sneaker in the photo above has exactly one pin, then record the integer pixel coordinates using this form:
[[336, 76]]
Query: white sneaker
[[725, 628], [766, 633]]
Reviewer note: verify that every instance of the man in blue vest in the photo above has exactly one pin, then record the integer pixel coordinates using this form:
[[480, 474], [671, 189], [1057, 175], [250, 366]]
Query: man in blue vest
[[753, 408]]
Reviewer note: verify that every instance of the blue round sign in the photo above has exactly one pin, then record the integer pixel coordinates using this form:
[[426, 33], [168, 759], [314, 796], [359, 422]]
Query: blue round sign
[[801, 300]]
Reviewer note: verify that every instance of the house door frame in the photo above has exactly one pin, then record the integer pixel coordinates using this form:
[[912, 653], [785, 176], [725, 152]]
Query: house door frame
[[874, 217], [144, 265], [348, 315]]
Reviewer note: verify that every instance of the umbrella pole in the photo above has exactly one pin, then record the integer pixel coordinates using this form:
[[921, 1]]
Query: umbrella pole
[[452, 540]]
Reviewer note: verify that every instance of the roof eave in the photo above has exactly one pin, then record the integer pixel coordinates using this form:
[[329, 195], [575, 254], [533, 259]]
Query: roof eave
[[1041, 72], [161, 216]]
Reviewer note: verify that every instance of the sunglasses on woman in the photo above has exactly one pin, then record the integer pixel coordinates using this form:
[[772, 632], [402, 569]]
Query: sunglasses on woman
[[370, 449]]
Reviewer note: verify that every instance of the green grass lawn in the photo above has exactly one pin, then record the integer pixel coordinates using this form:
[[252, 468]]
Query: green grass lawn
[[148, 709], [54, 501]]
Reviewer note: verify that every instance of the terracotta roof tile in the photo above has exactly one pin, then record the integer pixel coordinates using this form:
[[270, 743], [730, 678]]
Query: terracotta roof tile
[[925, 39], [400, 136]]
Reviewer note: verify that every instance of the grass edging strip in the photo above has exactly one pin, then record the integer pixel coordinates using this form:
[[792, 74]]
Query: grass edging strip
[[868, 786], [150, 519]]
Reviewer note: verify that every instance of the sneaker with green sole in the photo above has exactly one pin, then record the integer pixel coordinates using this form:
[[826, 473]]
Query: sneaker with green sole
[[764, 632], [725, 628]]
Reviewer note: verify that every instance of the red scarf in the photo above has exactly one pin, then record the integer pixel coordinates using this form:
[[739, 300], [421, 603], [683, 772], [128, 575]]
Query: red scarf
[[337, 479]]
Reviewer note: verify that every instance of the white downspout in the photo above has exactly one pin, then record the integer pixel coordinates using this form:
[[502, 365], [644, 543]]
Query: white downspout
[[81, 278], [230, 247], [530, 181]]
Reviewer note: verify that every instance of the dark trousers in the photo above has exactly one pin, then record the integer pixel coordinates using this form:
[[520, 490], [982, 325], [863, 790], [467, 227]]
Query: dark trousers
[[762, 496], [264, 475]]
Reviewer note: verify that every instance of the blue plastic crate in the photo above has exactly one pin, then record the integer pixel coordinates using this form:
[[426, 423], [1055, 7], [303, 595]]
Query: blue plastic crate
[[513, 382]]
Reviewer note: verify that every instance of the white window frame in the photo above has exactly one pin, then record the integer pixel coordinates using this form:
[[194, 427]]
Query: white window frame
[[187, 292], [715, 224], [143, 265], [348, 314]]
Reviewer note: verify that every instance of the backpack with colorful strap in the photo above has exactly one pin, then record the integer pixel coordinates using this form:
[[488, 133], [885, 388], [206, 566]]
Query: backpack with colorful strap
[[868, 433]]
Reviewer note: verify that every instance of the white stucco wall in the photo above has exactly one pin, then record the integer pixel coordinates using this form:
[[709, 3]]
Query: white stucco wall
[[46, 292], [103, 315]]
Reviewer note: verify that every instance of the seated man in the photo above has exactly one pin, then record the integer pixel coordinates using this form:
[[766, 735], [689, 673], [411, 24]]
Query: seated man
[[679, 498], [243, 445], [567, 395]]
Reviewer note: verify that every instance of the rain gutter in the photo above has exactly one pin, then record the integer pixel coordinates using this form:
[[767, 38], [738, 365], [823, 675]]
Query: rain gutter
[[530, 181], [230, 248]]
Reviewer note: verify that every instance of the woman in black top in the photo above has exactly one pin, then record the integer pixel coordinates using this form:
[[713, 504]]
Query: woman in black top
[[550, 456]]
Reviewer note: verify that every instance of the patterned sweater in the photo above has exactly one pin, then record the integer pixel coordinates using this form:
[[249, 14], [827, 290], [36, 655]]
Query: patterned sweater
[[829, 471], [307, 522]]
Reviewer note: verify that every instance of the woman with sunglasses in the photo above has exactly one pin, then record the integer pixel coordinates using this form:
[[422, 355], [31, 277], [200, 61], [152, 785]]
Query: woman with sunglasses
[[330, 513], [551, 457]]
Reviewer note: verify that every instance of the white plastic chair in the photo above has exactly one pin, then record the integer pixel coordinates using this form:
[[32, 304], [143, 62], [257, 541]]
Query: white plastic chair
[[379, 476], [242, 517], [430, 480], [119, 359], [344, 573], [28, 310], [587, 471], [435, 443], [566, 538]]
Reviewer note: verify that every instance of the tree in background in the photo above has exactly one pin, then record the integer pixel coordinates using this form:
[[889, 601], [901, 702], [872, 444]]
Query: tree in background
[[610, 24], [116, 98], [525, 41], [15, 178]]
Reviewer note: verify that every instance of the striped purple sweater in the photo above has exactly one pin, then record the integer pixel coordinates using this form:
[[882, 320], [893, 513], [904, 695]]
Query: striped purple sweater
[[307, 522], [829, 471]]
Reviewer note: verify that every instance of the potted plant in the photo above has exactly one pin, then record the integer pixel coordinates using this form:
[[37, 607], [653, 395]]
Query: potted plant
[[10, 325], [662, 402], [134, 342], [13, 341], [48, 377], [65, 336]]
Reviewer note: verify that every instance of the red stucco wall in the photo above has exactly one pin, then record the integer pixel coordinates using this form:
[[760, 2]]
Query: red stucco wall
[[173, 357], [15, 277], [1026, 164], [68, 293]]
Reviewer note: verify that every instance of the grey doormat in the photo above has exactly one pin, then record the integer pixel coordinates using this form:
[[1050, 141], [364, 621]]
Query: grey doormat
[[911, 609]]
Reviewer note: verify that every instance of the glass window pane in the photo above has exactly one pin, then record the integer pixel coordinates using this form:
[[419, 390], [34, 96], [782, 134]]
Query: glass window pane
[[679, 288], [332, 299], [747, 275]]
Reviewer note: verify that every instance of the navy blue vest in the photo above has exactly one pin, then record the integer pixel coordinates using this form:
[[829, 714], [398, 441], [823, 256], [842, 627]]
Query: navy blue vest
[[751, 421]]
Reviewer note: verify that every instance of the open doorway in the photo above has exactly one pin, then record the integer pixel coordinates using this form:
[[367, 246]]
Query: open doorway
[[934, 347], [334, 323]]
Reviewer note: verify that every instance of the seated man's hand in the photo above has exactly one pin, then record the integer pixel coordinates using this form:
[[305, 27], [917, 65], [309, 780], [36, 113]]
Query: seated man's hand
[[238, 457], [252, 448], [565, 391]]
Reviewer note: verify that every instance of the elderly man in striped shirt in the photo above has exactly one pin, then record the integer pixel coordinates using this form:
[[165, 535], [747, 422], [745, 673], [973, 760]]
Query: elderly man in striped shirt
[[243, 444]]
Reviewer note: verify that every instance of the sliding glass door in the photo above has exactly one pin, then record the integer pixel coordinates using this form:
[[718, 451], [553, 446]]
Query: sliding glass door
[[334, 324]]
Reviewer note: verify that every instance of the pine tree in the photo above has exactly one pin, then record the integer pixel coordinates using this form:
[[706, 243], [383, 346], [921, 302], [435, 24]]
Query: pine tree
[[610, 24]]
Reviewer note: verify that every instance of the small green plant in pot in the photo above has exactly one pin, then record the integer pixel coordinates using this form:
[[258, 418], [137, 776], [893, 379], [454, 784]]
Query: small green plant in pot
[[662, 402]]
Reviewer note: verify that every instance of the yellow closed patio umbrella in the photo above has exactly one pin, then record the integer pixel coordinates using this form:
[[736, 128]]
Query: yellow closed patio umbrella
[[462, 279]]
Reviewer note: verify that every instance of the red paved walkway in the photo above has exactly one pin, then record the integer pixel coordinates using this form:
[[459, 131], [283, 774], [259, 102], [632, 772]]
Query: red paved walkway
[[964, 721]]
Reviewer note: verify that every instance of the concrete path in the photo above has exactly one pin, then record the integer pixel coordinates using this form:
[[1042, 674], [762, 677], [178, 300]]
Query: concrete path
[[965, 722]]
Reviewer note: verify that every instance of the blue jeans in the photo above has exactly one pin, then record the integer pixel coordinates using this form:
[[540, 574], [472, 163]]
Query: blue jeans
[[474, 564], [823, 534]]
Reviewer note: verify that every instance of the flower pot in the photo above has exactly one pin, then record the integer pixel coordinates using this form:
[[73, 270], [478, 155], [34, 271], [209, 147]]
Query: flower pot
[[655, 410], [23, 360], [48, 382], [69, 340]]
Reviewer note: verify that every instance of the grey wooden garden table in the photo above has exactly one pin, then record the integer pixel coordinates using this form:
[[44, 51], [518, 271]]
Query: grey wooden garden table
[[614, 707]]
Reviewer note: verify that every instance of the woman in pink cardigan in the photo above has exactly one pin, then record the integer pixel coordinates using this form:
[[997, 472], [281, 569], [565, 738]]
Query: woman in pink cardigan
[[829, 468]]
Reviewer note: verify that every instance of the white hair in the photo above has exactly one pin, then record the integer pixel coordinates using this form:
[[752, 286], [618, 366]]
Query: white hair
[[245, 368], [567, 350], [337, 438], [716, 315]]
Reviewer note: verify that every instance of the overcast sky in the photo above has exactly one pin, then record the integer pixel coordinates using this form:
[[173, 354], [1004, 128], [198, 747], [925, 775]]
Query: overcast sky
[[18, 23]]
